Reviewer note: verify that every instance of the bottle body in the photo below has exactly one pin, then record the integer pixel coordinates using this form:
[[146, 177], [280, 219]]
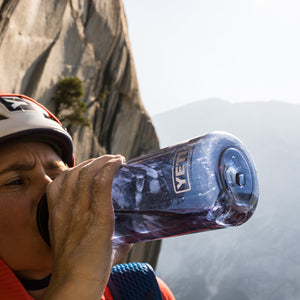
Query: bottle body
[[206, 183]]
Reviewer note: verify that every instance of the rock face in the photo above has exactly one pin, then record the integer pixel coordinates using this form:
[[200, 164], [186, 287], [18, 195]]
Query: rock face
[[44, 41]]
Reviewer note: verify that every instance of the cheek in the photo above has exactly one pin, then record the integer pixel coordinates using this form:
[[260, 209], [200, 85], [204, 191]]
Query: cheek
[[15, 218], [19, 234]]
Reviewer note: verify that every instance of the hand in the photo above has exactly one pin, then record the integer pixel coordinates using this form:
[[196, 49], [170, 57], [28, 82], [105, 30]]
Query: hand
[[81, 226]]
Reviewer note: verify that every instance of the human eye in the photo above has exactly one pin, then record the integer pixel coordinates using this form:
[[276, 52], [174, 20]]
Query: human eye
[[14, 182]]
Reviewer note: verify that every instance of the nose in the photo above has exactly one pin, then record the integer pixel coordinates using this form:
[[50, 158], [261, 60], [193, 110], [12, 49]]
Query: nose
[[42, 184], [40, 181], [46, 180]]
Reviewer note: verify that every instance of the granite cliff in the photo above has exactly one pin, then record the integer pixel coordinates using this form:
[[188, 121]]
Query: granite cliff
[[44, 41]]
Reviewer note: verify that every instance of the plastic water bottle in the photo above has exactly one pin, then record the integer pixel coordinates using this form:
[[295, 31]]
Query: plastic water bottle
[[206, 183]]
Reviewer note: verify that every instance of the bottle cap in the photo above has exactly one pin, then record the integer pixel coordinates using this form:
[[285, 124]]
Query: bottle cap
[[236, 173]]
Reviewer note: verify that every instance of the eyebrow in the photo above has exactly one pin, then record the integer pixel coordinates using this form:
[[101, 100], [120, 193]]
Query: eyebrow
[[51, 165]]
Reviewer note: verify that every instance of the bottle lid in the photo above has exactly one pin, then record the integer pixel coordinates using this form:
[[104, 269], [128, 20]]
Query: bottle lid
[[239, 177]]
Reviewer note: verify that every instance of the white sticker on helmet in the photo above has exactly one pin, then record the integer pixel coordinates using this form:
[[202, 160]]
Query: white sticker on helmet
[[16, 104]]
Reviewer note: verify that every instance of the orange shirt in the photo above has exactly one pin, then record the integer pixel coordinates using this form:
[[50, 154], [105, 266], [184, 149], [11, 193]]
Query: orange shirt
[[12, 289]]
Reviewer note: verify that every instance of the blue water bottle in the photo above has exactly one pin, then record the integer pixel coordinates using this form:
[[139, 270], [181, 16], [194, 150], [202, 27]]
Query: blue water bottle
[[206, 183]]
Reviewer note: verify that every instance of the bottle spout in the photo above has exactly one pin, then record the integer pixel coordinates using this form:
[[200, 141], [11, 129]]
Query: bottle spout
[[238, 178]]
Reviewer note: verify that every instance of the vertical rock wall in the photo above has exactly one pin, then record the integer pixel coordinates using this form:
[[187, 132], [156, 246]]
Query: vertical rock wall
[[44, 41]]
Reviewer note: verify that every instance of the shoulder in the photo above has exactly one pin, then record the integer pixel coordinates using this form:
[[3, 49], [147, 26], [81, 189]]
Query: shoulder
[[165, 292], [138, 279]]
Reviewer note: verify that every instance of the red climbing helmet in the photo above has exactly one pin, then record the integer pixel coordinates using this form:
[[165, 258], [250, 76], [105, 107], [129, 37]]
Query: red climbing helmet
[[21, 116]]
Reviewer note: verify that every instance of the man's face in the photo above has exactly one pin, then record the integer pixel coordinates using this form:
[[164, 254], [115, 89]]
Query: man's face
[[26, 168]]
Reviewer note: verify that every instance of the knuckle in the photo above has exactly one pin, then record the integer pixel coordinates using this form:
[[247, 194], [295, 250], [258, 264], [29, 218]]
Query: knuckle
[[66, 176], [100, 180], [83, 173], [104, 177]]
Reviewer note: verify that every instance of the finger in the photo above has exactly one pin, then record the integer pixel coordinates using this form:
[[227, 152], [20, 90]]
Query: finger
[[64, 189], [85, 181], [70, 194], [61, 194], [101, 189], [56, 189]]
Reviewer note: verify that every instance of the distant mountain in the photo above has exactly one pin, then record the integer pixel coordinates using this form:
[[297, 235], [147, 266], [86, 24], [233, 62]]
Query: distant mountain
[[260, 259]]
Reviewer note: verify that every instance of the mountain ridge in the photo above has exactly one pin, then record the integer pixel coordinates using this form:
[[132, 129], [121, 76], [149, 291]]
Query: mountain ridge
[[217, 100], [219, 114]]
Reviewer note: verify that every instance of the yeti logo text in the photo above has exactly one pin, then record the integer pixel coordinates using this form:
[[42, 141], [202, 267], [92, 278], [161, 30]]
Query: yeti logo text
[[180, 172]]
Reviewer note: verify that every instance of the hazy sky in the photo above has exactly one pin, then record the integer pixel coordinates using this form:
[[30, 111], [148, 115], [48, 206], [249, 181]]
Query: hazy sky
[[237, 50]]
